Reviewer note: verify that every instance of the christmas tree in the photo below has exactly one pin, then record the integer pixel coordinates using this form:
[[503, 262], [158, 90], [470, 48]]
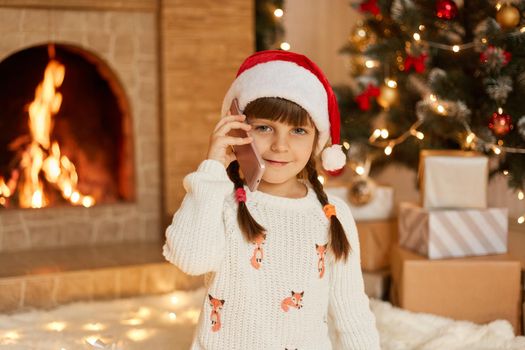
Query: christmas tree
[[442, 74]]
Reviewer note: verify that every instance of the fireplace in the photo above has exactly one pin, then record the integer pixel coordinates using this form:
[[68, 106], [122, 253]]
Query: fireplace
[[102, 135], [65, 125]]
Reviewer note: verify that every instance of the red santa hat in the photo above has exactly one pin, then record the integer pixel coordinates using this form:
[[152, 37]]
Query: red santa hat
[[294, 77]]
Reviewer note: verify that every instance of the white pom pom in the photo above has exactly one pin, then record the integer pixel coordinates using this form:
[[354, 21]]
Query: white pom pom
[[333, 158]]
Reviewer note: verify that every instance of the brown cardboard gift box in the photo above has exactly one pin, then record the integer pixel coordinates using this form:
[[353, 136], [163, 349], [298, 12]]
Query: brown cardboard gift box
[[479, 289], [517, 251], [376, 238], [377, 283]]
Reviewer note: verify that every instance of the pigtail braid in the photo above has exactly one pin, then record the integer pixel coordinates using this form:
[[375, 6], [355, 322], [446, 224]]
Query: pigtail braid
[[338, 240], [250, 228]]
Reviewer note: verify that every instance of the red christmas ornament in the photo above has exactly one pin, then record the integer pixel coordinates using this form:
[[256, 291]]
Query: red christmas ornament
[[500, 124], [418, 62], [446, 9], [363, 99], [370, 6]]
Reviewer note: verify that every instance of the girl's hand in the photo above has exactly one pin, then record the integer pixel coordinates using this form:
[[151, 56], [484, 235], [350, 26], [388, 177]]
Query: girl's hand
[[220, 143]]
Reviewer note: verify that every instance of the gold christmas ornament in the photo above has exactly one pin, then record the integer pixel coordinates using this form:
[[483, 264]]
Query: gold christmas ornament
[[361, 191], [508, 17], [387, 96]]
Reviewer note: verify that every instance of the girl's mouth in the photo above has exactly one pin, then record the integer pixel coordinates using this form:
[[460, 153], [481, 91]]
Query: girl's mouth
[[275, 162]]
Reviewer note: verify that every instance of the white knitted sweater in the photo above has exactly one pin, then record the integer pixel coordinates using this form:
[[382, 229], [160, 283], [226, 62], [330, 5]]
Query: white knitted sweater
[[277, 293]]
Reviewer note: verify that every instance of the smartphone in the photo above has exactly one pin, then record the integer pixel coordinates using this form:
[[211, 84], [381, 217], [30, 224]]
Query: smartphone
[[250, 161]]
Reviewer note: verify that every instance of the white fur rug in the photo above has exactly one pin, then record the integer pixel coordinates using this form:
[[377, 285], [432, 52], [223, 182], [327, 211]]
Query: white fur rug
[[400, 330], [166, 322]]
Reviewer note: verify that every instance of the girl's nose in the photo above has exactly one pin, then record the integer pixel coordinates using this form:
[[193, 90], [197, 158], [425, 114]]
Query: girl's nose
[[279, 144]]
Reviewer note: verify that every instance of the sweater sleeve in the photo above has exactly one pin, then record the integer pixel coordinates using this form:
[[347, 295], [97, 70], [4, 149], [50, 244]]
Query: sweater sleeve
[[349, 315], [195, 240]]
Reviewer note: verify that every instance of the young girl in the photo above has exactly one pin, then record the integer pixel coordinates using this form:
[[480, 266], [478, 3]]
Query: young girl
[[282, 263]]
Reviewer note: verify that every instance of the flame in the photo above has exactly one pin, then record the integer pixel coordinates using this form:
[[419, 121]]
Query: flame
[[42, 156]]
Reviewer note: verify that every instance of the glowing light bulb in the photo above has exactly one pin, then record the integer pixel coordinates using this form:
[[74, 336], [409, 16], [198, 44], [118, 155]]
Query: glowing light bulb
[[521, 219], [384, 133], [144, 312], [360, 170], [369, 64], [56, 326], [388, 150], [521, 195], [496, 150], [138, 335], [455, 48], [505, 172], [391, 83], [420, 135], [132, 322], [346, 145], [278, 13], [94, 327], [470, 137], [172, 316], [417, 37], [285, 46], [440, 109]]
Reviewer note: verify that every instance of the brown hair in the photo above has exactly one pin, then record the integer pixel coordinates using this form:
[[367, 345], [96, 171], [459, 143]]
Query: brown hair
[[285, 111]]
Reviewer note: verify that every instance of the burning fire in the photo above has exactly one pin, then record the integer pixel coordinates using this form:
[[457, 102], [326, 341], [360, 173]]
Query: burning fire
[[42, 155]]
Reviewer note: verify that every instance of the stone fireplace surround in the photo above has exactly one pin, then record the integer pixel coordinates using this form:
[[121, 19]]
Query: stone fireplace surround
[[52, 256], [126, 42], [174, 59]]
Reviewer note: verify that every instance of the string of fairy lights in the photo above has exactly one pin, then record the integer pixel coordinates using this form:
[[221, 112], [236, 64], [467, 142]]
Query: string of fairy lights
[[380, 136], [279, 13]]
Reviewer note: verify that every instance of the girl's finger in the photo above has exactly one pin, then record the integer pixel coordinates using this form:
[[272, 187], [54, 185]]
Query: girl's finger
[[226, 128], [235, 141], [228, 119]]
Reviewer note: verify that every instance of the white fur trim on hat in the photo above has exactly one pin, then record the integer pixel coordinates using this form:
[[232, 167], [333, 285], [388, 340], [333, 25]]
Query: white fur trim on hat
[[333, 158], [287, 80]]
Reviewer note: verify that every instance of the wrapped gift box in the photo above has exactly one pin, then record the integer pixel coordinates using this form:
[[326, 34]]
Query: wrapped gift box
[[477, 289], [453, 179], [380, 207], [443, 233], [377, 284], [376, 239], [516, 242]]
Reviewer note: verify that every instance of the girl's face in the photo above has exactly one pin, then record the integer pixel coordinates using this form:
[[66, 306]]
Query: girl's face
[[285, 148]]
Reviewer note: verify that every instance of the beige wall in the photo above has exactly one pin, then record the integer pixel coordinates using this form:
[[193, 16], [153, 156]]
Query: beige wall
[[202, 43], [318, 29]]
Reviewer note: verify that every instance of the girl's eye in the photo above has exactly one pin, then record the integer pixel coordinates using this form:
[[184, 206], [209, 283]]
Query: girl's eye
[[300, 131], [263, 128]]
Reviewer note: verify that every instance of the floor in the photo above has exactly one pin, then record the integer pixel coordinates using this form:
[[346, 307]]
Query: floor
[[166, 322]]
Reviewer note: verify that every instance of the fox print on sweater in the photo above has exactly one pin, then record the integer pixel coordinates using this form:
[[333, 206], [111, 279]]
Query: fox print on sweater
[[284, 290]]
